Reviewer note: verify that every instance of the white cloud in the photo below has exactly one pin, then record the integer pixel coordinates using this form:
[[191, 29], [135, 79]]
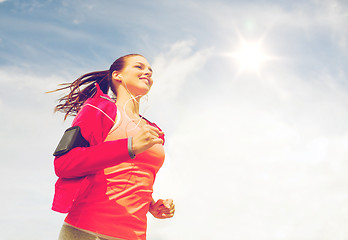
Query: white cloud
[[174, 67], [264, 150], [16, 77], [267, 153], [306, 18], [29, 134]]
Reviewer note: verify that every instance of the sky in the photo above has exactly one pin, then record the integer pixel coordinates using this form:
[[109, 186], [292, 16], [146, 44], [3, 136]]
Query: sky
[[252, 96]]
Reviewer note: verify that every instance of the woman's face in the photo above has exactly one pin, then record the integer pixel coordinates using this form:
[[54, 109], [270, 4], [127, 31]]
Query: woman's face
[[136, 75]]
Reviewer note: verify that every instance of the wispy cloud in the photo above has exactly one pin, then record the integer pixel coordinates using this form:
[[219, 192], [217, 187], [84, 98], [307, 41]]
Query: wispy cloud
[[175, 66], [258, 147], [259, 158]]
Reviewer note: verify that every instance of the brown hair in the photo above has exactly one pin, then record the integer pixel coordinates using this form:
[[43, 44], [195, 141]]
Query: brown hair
[[84, 87]]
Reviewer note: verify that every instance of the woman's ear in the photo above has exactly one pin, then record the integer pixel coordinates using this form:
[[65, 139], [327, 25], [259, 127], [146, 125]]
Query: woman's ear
[[116, 76]]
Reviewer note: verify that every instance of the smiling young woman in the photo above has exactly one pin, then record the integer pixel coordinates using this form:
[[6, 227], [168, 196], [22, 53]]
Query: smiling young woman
[[106, 188]]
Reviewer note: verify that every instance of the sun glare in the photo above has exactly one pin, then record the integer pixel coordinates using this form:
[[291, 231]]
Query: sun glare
[[250, 56]]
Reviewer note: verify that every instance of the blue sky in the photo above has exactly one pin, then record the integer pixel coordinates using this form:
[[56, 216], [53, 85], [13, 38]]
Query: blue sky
[[251, 153]]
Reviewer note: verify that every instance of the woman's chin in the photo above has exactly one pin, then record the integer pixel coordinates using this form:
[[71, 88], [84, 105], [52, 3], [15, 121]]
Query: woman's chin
[[143, 92]]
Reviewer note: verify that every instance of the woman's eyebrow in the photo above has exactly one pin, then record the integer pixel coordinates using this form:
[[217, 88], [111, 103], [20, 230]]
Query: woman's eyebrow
[[142, 64]]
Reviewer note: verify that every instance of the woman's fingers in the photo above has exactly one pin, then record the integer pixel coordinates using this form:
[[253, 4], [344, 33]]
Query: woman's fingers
[[152, 131], [167, 204], [155, 131], [163, 209], [167, 208], [153, 135], [146, 138]]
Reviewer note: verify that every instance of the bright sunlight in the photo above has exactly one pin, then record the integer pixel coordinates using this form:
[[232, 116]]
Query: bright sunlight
[[250, 56]]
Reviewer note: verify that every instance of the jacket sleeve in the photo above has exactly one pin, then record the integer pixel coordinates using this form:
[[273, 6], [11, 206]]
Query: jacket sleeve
[[82, 161], [95, 126]]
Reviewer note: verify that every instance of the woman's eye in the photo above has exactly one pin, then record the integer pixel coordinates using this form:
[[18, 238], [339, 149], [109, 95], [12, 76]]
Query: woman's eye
[[138, 67]]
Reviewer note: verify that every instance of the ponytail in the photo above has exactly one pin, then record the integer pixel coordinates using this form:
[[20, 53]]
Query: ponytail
[[84, 87], [80, 90]]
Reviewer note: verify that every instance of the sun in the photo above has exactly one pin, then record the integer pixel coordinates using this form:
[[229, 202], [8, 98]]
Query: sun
[[250, 56]]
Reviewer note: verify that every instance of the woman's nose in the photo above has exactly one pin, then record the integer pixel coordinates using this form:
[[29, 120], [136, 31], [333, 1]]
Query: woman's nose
[[148, 73]]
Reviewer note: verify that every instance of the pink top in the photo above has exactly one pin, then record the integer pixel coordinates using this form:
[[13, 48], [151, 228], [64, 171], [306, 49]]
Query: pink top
[[118, 198]]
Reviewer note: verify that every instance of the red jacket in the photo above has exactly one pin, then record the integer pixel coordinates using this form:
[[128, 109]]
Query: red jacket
[[95, 119]]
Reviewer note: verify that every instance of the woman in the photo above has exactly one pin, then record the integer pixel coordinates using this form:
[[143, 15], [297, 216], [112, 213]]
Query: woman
[[106, 188]]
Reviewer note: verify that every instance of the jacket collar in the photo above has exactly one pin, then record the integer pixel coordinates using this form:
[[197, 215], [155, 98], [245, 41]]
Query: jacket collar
[[99, 94]]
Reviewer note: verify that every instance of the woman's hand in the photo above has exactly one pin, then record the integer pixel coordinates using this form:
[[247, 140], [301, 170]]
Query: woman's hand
[[146, 138], [162, 208]]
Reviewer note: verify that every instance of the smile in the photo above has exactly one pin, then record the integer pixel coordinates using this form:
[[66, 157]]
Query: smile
[[146, 79]]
